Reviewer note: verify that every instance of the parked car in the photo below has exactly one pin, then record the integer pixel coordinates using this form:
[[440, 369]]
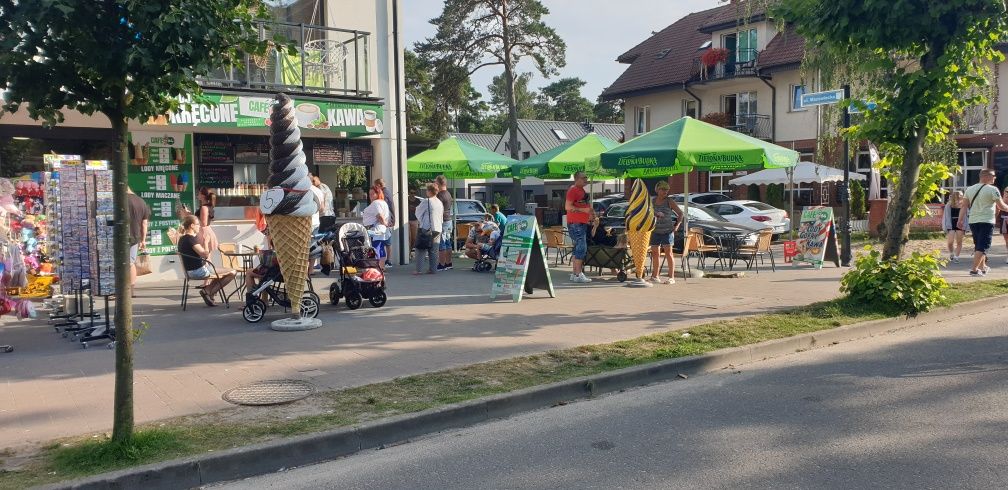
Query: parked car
[[603, 203], [704, 198], [699, 216], [754, 213], [468, 210]]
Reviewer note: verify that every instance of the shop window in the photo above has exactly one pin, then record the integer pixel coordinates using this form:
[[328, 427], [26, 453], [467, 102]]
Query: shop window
[[864, 167], [718, 181], [966, 172]]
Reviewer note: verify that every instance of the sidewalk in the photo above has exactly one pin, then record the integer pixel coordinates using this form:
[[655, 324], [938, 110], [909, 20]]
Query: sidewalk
[[52, 388]]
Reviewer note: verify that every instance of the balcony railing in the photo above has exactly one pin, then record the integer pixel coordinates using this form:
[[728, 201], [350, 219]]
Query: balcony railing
[[732, 68], [324, 60], [755, 125]]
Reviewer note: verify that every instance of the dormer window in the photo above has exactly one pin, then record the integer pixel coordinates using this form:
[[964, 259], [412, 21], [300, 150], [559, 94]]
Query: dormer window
[[560, 134], [663, 53], [706, 44]]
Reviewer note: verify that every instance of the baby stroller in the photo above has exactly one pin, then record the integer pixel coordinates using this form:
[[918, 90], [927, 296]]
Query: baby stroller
[[273, 288], [359, 274], [487, 260]]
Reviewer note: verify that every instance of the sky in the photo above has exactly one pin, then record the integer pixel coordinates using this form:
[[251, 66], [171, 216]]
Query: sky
[[596, 32]]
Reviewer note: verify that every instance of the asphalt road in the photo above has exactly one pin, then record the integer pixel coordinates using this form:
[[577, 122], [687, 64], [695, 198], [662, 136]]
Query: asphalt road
[[921, 408]]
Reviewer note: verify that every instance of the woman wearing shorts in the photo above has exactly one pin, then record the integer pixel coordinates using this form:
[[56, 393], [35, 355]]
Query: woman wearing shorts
[[668, 217], [950, 225]]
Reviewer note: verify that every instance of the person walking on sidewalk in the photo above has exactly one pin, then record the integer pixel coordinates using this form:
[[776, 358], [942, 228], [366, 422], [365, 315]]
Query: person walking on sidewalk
[[139, 218], [447, 227], [950, 224], [981, 200], [579, 214]]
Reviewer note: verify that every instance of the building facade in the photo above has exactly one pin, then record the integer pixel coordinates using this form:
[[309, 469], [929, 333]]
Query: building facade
[[734, 65], [345, 75]]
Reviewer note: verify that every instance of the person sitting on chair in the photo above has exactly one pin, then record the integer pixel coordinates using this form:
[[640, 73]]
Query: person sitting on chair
[[194, 257], [484, 242]]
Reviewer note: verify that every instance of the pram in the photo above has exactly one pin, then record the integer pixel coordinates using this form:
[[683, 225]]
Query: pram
[[359, 274], [487, 260], [272, 287], [604, 252]]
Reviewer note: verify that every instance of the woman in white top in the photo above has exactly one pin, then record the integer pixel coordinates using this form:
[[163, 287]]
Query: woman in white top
[[377, 217], [427, 209]]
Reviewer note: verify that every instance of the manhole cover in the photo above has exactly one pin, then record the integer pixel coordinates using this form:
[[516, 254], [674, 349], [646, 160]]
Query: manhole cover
[[273, 392]]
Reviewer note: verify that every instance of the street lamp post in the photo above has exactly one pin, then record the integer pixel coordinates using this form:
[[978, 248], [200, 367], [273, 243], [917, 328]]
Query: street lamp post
[[845, 253]]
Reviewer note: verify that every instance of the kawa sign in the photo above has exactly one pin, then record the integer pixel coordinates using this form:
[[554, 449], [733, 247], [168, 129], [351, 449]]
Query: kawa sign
[[239, 111]]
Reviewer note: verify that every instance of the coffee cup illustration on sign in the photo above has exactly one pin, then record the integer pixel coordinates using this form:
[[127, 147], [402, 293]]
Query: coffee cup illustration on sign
[[306, 114], [371, 121]]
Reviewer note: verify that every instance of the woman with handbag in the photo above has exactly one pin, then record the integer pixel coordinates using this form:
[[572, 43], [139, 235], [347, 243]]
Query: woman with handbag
[[429, 212]]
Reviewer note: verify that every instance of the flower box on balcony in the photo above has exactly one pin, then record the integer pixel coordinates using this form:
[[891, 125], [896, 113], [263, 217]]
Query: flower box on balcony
[[713, 56]]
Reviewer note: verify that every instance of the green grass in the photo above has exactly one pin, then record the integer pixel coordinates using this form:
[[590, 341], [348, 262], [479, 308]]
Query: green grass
[[198, 434]]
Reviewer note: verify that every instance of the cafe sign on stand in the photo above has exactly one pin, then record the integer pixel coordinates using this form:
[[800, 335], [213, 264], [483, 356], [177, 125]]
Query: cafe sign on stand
[[216, 110]]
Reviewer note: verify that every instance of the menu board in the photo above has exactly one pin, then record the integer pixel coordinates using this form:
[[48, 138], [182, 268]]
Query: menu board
[[359, 153], [251, 152], [521, 265], [216, 176], [160, 172], [817, 240], [329, 153], [215, 151]]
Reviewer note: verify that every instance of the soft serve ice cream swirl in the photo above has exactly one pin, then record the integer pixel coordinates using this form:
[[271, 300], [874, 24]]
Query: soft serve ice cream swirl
[[288, 168]]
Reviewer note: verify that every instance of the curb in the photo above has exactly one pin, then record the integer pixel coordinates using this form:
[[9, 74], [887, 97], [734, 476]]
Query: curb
[[273, 456]]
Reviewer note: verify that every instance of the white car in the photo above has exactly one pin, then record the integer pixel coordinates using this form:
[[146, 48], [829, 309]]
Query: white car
[[705, 198], [754, 213]]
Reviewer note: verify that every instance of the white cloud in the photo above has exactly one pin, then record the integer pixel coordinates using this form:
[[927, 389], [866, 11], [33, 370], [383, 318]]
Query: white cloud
[[596, 32]]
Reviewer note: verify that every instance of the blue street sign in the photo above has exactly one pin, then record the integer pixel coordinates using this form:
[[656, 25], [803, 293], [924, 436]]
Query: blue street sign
[[868, 105], [822, 98]]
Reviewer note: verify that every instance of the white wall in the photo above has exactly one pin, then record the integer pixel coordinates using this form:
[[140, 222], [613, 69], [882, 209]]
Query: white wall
[[793, 125]]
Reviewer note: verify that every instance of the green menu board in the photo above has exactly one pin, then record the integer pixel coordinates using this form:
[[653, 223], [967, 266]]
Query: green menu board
[[160, 172], [521, 265]]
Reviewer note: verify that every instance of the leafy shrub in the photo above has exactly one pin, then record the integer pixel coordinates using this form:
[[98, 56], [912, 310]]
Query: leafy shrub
[[716, 118], [908, 286], [775, 195], [857, 200], [752, 193]]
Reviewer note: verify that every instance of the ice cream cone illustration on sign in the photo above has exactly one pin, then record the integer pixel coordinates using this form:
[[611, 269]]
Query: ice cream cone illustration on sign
[[288, 206], [640, 222]]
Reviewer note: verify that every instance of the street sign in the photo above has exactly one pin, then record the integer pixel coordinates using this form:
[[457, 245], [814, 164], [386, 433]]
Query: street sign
[[822, 98], [868, 106]]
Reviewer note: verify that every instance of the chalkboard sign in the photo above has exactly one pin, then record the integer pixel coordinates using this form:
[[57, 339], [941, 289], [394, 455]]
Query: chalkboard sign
[[329, 153], [215, 151], [359, 153], [254, 152], [219, 176]]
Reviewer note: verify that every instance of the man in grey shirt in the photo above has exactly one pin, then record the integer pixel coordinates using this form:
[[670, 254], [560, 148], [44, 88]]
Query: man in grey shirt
[[981, 199], [448, 229]]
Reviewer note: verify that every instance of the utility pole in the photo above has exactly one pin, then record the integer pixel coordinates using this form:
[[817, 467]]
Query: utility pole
[[845, 251]]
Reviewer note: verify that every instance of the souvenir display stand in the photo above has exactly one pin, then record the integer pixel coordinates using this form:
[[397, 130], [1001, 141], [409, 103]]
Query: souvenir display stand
[[84, 204], [13, 272]]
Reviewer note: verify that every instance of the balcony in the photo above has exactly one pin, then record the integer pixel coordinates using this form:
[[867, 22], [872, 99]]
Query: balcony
[[755, 125], [324, 61], [723, 70]]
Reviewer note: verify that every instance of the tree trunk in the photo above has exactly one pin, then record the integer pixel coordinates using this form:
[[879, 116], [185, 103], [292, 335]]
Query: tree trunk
[[517, 194], [900, 212], [122, 422]]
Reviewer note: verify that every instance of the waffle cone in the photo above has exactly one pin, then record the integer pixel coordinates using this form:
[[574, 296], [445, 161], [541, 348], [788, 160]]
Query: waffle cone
[[291, 236], [638, 242]]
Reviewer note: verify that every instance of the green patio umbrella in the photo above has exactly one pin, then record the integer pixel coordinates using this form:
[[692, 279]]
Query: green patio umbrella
[[561, 162], [458, 159], [689, 144]]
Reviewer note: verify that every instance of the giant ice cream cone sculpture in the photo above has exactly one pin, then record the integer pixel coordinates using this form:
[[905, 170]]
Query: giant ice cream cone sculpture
[[289, 203], [640, 222]]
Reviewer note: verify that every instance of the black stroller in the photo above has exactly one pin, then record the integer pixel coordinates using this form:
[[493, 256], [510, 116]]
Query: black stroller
[[487, 260], [273, 288], [359, 274]]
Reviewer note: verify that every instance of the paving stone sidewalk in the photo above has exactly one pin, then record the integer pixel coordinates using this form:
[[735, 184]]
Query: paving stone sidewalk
[[51, 388]]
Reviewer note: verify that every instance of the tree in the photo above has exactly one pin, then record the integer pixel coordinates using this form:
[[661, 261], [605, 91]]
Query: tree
[[525, 99], [930, 60], [473, 34], [129, 59], [608, 111], [419, 95], [562, 101]]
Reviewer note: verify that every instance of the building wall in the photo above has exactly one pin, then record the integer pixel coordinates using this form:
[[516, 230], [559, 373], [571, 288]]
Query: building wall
[[793, 125]]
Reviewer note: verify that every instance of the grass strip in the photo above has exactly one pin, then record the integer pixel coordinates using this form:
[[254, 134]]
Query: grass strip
[[189, 436]]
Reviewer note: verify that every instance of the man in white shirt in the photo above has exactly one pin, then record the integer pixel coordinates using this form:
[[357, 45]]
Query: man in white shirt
[[981, 199]]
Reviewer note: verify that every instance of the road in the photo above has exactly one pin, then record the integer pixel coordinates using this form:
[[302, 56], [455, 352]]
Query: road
[[921, 408]]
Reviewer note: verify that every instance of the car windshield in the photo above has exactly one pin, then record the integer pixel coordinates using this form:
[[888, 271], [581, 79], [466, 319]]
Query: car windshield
[[759, 206], [469, 207]]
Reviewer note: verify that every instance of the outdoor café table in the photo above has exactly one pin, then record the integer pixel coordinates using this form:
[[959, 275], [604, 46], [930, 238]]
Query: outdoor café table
[[248, 263], [729, 244]]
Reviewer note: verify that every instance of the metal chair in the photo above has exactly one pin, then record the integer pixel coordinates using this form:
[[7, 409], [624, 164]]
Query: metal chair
[[760, 249], [694, 244], [555, 240]]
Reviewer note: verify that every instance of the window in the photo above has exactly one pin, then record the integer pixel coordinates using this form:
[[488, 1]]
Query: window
[[864, 166], [706, 44], [689, 108], [746, 46], [642, 120], [718, 181], [726, 209], [560, 134], [970, 163], [526, 155], [663, 53], [796, 92], [746, 103]]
